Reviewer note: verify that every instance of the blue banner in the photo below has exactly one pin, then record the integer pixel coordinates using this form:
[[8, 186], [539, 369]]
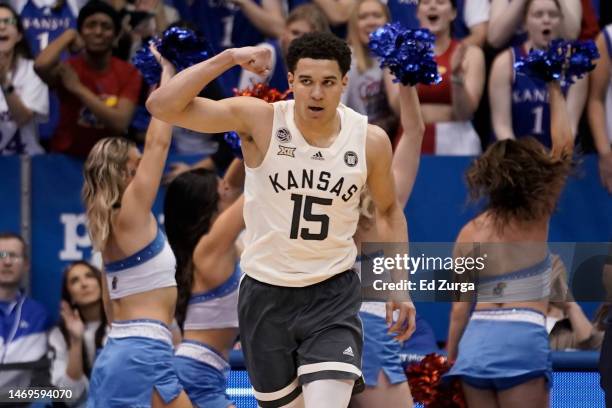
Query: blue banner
[[10, 210]]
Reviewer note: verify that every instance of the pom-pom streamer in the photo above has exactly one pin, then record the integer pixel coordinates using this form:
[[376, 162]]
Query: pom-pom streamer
[[408, 53], [563, 61], [427, 387], [181, 46]]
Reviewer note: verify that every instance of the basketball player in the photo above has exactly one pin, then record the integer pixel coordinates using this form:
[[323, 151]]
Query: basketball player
[[306, 161]]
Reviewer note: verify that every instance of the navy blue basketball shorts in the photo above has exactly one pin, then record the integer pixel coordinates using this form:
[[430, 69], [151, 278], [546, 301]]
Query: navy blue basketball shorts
[[293, 336]]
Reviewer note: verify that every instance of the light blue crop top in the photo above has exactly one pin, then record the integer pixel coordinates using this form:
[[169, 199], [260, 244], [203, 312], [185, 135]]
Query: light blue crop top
[[153, 267], [216, 308]]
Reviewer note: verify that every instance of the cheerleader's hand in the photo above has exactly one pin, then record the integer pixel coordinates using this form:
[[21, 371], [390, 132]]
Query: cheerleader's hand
[[405, 324]]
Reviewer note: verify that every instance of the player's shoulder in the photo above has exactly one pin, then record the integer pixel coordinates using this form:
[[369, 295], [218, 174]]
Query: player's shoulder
[[377, 139]]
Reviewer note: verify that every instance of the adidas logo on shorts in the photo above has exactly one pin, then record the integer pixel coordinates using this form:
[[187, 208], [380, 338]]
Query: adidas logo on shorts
[[348, 352]]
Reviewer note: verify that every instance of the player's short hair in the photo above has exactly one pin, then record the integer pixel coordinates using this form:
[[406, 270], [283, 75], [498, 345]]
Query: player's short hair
[[319, 46]]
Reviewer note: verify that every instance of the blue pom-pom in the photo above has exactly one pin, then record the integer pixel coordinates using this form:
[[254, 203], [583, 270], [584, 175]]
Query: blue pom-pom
[[233, 140], [563, 61], [408, 53], [546, 65], [145, 62], [183, 47], [583, 53]]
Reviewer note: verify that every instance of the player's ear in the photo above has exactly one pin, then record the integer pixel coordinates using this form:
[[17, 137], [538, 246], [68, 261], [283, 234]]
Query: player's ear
[[290, 79], [345, 79]]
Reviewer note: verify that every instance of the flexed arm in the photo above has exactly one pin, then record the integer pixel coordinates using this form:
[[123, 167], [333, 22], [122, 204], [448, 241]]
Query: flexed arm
[[177, 102]]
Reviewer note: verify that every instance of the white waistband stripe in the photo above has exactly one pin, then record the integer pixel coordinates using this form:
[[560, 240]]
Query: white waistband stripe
[[203, 355], [140, 329], [511, 316]]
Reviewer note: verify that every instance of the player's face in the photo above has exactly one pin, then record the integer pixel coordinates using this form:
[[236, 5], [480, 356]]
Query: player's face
[[436, 15], [98, 33], [13, 262], [370, 16], [317, 86], [83, 285], [294, 30], [542, 22], [9, 35]]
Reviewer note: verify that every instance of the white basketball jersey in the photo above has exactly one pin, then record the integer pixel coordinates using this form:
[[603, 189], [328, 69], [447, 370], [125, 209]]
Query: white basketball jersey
[[302, 203]]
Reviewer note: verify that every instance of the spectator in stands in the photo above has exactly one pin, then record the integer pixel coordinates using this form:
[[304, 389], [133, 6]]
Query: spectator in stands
[[237, 23], [98, 92], [600, 106], [23, 322], [303, 19], [448, 107], [81, 331], [519, 103], [507, 16], [24, 100], [43, 21], [568, 327], [470, 25], [370, 90]]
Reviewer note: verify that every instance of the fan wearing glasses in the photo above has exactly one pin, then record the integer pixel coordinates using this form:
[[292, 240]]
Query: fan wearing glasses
[[23, 321]]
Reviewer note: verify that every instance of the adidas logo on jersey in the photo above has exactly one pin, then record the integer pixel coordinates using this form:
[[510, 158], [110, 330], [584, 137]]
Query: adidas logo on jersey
[[317, 156], [348, 352]]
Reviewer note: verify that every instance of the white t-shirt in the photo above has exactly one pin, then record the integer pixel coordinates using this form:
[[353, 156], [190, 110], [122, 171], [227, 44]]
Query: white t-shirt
[[476, 12], [34, 94]]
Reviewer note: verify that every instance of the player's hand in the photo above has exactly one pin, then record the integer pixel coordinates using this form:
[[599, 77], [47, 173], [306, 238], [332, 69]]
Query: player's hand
[[605, 170], [254, 59], [405, 324]]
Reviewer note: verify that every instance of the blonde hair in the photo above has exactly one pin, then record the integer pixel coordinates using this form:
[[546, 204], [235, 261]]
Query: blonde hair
[[104, 172], [312, 15], [361, 52]]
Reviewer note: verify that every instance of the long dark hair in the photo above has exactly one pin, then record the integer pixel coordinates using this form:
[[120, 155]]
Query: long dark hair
[[518, 179], [191, 203], [101, 330], [22, 49]]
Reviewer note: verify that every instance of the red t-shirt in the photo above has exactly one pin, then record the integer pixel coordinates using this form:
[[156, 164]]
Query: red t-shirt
[[78, 129]]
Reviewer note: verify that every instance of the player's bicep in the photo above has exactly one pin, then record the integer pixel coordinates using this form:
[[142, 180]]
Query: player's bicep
[[208, 116], [380, 176]]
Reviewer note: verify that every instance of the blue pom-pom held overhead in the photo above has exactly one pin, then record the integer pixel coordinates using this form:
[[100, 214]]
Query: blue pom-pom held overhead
[[182, 47], [563, 61], [408, 54]]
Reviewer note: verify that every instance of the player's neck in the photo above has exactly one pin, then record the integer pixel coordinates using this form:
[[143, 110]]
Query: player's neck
[[317, 132]]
